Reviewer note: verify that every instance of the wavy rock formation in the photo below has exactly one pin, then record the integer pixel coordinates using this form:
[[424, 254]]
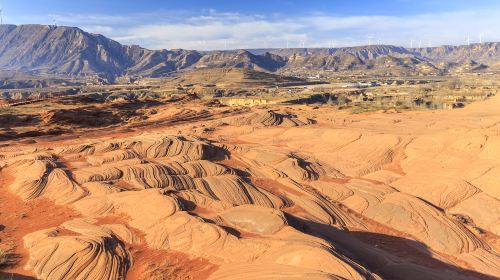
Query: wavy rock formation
[[270, 118], [361, 200], [77, 250], [258, 220]]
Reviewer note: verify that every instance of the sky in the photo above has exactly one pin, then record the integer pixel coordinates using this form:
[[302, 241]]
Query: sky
[[225, 24]]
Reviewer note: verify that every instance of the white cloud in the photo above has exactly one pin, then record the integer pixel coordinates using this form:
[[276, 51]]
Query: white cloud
[[213, 30], [89, 19], [99, 29]]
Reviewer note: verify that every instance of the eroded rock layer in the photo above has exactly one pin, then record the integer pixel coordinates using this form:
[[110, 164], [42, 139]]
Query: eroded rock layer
[[350, 203]]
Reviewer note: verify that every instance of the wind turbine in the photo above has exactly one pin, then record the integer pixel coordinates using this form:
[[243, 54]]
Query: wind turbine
[[54, 22], [480, 38], [1, 17], [411, 43], [468, 40]]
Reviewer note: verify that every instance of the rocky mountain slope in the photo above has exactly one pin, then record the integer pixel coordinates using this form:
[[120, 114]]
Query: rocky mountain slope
[[241, 59], [42, 49], [70, 51], [362, 52], [486, 53]]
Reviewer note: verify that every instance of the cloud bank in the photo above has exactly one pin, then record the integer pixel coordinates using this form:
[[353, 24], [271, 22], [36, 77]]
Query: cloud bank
[[211, 30]]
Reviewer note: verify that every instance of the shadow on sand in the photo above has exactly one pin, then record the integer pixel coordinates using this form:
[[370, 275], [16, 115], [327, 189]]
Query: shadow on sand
[[389, 256]]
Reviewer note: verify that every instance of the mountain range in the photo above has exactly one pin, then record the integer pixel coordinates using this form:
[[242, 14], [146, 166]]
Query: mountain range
[[70, 51]]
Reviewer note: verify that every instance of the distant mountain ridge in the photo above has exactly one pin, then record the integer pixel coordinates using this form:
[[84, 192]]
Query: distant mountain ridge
[[42, 49], [70, 51], [482, 53]]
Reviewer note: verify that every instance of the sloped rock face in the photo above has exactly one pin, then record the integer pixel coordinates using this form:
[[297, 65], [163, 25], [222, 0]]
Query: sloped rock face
[[88, 252], [255, 219], [152, 180]]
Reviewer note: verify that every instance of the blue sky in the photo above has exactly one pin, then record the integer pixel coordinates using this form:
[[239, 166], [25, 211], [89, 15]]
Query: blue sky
[[223, 24]]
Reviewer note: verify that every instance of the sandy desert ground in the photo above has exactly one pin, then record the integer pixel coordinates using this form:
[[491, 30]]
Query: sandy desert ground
[[276, 192]]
